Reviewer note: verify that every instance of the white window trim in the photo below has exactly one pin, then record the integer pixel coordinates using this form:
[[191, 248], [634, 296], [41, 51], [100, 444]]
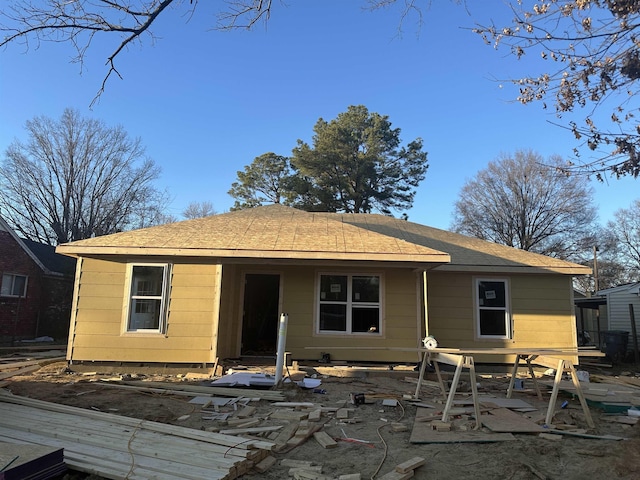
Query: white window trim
[[164, 299], [507, 309], [349, 304], [13, 278]]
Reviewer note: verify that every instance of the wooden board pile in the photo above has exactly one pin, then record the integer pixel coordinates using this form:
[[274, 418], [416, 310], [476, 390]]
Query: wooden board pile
[[113, 446]]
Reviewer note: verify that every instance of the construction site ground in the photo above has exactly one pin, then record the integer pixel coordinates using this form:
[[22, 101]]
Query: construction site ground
[[375, 436]]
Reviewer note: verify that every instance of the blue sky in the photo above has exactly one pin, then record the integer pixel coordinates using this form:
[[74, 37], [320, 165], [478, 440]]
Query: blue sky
[[205, 103]]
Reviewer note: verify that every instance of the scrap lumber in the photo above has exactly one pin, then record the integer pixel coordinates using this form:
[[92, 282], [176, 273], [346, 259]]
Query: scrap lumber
[[410, 464], [504, 420], [324, 439], [288, 462], [393, 475], [285, 434], [300, 474], [272, 395], [113, 446], [19, 371], [265, 464]]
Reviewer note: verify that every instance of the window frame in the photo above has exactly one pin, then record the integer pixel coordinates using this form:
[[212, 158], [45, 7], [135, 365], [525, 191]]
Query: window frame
[[13, 277], [349, 304], [163, 297], [508, 320]]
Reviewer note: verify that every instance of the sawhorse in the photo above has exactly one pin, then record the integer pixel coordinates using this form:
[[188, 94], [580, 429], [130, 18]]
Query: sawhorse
[[561, 366], [460, 362]]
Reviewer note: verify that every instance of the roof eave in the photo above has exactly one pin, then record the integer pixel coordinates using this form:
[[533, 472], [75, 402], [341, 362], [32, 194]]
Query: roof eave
[[79, 251], [568, 270]]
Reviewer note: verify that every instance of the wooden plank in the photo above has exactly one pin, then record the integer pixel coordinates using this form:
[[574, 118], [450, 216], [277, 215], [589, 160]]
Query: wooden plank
[[21, 371], [393, 475], [107, 444], [505, 402], [265, 464], [324, 439], [228, 440], [241, 431], [423, 433], [504, 420], [410, 464], [285, 434]]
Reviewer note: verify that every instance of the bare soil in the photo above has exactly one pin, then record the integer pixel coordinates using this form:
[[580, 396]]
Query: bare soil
[[374, 448]]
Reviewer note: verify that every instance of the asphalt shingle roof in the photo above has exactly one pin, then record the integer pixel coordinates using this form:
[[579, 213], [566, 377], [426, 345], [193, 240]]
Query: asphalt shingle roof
[[280, 232]]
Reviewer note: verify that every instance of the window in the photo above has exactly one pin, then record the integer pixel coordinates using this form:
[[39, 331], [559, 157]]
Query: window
[[349, 304], [13, 285], [148, 292], [493, 317]]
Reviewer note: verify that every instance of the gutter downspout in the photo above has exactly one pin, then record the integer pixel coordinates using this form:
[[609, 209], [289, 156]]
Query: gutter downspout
[[421, 311], [426, 309]]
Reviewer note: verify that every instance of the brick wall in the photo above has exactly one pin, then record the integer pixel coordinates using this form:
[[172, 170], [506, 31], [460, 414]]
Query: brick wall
[[19, 316]]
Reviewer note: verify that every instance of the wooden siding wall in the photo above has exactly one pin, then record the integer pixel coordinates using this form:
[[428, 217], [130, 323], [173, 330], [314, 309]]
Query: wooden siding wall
[[541, 307], [618, 311], [99, 333], [399, 321]]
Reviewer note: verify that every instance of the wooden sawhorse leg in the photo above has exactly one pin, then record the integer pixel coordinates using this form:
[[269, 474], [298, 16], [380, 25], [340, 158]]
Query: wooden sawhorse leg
[[567, 366]]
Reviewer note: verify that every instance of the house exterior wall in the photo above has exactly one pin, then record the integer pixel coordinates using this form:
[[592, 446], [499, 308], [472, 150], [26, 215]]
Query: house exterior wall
[[399, 318], [541, 308], [618, 310], [19, 316], [206, 303], [100, 327]]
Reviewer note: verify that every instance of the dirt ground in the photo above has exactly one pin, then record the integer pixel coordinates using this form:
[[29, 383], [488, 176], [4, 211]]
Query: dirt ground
[[375, 447]]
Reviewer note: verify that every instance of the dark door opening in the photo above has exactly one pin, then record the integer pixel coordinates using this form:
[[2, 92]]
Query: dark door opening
[[260, 314]]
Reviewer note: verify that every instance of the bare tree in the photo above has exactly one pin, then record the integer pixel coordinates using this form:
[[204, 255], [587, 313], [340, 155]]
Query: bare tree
[[77, 178], [594, 64], [198, 210], [79, 22], [625, 227], [520, 202]]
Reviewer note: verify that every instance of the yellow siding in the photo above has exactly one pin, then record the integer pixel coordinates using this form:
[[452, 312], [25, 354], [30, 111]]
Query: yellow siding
[[399, 323], [205, 314], [540, 306], [100, 327]]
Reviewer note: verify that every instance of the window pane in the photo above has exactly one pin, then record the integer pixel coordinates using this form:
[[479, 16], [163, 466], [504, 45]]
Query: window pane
[[145, 314], [365, 320], [147, 281], [19, 283], [5, 288], [491, 294], [333, 317], [333, 288], [366, 289], [493, 322]]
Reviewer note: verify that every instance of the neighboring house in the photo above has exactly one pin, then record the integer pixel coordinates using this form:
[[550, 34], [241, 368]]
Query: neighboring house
[[359, 287], [621, 301], [36, 289]]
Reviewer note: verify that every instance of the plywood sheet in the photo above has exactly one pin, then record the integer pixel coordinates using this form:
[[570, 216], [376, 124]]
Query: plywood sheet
[[504, 420], [423, 433]]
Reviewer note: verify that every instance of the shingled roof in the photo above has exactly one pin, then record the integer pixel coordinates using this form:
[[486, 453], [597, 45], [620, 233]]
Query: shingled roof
[[279, 232], [45, 256]]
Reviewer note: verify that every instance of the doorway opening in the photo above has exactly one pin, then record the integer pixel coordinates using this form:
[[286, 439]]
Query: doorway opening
[[260, 314]]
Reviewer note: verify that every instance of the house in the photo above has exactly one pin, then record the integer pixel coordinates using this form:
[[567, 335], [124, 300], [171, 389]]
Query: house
[[36, 289], [359, 287], [622, 302]]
